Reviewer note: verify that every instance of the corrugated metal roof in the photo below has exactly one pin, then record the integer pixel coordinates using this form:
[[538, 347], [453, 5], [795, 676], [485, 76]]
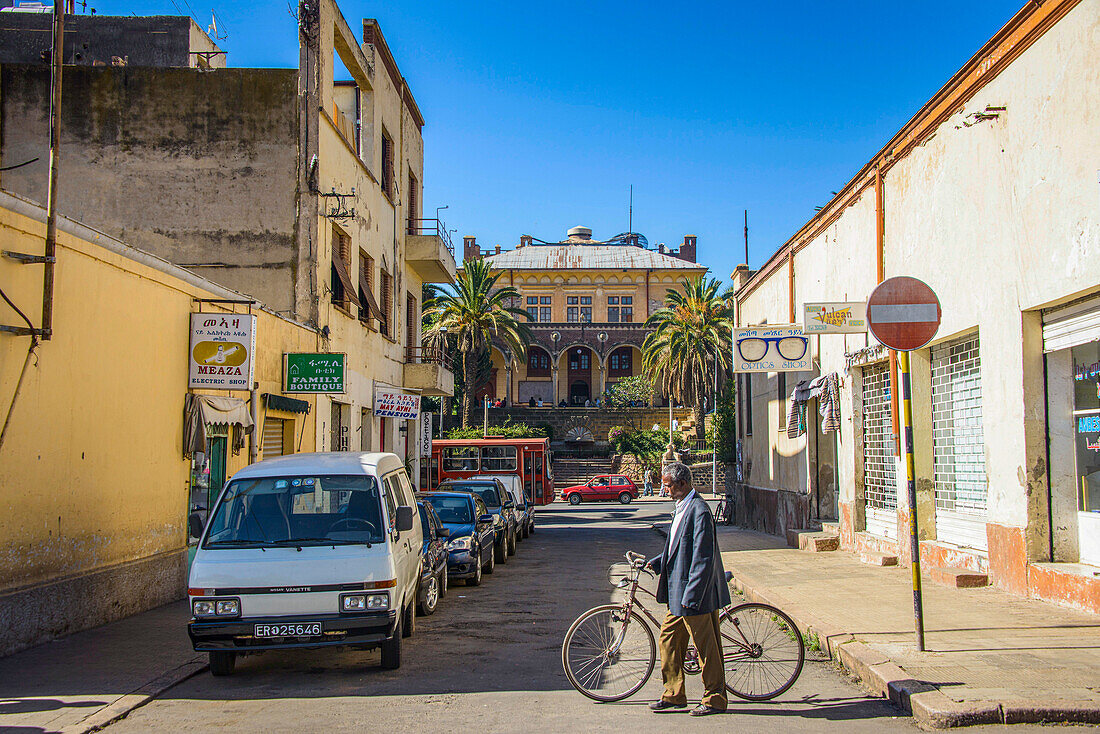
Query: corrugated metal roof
[[582, 257]]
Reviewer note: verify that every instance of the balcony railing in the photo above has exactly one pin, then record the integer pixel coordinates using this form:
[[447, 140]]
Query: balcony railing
[[432, 227], [428, 355]]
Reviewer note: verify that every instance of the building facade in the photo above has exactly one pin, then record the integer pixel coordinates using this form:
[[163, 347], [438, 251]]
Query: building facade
[[285, 192], [588, 301], [989, 195]]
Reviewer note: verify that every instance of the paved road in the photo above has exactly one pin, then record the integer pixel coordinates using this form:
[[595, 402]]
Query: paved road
[[489, 659]]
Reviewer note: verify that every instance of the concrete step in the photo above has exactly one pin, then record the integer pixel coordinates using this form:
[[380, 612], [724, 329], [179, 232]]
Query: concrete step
[[878, 559], [818, 542], [833, 528], [959, 578]]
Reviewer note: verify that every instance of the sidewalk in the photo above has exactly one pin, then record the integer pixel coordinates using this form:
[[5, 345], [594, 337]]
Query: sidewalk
[[991, 657], [88, 679]]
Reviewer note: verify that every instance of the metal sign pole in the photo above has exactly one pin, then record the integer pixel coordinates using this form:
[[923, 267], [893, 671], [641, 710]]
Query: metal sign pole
[[914, 539]]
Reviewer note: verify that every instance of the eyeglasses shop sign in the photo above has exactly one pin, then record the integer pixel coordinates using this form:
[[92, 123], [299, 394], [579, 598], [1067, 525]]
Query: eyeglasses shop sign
[[396, 404], [221, 347], [771, 349]]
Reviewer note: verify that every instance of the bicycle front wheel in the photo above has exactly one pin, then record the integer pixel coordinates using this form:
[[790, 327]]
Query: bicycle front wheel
[[608, 655], [762, 651]]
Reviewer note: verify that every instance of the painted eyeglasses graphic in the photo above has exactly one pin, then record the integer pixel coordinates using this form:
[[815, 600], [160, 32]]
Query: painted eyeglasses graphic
[[754, 349]]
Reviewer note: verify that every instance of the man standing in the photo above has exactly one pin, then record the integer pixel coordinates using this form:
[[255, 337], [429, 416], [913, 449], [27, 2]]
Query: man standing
[[692, 580]]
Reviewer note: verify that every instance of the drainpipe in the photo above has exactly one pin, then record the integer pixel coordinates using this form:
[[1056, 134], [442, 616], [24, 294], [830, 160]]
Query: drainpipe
[[647, 314], [880, 275], [50, 251], [257, 429]]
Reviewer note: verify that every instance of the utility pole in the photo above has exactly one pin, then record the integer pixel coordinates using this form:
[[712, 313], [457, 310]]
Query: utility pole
[[714, 422], [50, 250], [630, 225]]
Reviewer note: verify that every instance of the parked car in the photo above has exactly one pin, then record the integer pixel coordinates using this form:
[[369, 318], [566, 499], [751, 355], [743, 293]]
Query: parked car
[[496, 498], [604, 487], [524, 509], [433, 571], [308, 550], [471, 533]]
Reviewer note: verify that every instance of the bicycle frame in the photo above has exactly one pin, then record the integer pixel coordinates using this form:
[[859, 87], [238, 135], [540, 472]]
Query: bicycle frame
[[743, 645]]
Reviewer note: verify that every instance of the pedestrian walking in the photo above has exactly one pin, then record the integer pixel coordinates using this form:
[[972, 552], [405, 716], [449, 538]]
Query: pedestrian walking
[[648, 484], [692, 581]]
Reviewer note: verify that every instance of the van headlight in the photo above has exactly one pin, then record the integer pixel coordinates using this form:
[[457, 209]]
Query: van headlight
[[216, 607], [364, 602], [464, 542]]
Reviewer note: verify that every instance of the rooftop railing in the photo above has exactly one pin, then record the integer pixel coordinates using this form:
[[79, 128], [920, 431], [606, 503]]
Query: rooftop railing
[[428, 355]]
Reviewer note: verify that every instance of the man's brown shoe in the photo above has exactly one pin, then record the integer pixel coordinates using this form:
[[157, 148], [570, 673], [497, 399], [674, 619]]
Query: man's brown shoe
[[663, 705], [704, 710]]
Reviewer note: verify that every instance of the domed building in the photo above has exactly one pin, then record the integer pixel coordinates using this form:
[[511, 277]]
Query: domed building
[[588, 300]]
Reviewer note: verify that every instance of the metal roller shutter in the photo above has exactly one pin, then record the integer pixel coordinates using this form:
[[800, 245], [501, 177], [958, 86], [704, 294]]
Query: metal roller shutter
[[958, 444], [273, 437], [1070, 326], [880, 489]]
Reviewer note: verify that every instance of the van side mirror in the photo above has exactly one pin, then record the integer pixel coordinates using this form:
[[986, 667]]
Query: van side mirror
[[509, 504], [404, 519], [443, 532], [195, 525]]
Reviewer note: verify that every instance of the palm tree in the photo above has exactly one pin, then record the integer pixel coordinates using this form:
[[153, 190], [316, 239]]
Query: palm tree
[[695, 324], [475, 313]]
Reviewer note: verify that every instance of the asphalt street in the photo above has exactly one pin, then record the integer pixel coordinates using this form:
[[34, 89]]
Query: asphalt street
[[489, 660]]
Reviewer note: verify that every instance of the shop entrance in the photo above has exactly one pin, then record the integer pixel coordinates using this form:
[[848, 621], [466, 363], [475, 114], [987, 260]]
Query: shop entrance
[[1071, 342], [880, 490]]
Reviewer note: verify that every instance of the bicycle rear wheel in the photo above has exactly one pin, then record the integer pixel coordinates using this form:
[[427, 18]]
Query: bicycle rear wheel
[[762, 651], [608, 656]]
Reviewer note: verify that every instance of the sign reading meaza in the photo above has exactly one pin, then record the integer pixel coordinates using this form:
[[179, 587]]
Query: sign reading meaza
[[311, 373], [221, 349]]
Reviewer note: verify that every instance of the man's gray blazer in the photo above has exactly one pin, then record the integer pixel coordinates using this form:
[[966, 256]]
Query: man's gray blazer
[[691, 578]]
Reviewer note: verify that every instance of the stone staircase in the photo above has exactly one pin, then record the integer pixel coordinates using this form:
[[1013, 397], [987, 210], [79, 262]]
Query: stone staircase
[[569, 471]]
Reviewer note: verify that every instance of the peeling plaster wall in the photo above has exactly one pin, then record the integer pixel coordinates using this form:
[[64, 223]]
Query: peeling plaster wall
[[195, 166]]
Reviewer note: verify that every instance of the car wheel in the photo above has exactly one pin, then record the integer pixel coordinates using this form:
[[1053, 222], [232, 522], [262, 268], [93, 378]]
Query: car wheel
[[491, 565], [531, 529], [475, 580], [574, 499], [500, 550], [427, 605], [526, 530], [512, 542], [222, 662], [625, 498], [443, 584], [408, 622], [391, 649]]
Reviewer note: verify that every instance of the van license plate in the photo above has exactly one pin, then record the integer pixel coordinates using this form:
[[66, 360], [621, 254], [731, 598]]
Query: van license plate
[[303, 629]]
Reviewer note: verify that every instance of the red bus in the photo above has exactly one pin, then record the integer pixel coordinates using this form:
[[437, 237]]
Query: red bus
[[457, 458]]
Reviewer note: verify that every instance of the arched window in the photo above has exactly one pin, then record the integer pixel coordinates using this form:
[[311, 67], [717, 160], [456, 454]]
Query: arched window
[[620, 364]]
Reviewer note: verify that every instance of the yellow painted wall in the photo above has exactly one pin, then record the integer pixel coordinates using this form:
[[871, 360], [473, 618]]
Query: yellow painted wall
[[91, 471]]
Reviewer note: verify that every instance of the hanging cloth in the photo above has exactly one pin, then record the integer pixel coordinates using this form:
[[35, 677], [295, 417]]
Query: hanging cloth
[[200, 411], [828, 401], [796, 413]]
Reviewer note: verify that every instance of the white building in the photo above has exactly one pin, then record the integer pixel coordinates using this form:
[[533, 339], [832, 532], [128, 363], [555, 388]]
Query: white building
[[991, 195]]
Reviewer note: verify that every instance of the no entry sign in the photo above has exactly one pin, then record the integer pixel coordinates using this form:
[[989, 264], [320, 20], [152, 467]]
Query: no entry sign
[[903, 313]]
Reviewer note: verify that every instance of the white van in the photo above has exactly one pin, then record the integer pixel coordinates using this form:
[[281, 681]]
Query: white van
[[524, 509], [307, 550]]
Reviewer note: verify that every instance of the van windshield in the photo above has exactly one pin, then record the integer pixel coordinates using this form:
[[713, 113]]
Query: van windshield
[[281, 511], [486, 491]]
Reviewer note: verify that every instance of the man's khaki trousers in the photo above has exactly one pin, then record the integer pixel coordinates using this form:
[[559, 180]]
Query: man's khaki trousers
[[703, 630]]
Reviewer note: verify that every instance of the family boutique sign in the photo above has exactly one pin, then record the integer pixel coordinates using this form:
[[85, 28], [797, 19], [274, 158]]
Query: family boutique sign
[[396, 404], [314, 373], [220, 354]]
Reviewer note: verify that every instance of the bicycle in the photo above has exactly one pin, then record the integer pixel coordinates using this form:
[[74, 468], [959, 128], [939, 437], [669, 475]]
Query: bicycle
[[723, 511], [610, 652]]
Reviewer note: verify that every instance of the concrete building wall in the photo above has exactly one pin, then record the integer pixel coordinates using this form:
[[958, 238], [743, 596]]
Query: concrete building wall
[[106, 40], [94, 481], [995, 209], [198, 167]]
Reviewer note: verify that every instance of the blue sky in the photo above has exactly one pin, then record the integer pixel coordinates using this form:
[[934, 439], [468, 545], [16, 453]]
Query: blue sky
[[539, 117]]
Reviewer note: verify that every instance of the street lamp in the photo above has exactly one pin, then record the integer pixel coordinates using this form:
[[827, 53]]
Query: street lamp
[[439, 209], [442, 354]]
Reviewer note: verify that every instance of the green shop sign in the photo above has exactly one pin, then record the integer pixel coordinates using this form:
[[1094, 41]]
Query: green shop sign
[[311, 373]]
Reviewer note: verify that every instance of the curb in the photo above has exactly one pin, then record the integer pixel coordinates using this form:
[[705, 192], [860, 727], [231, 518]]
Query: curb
[[126, 703], [928, 706]]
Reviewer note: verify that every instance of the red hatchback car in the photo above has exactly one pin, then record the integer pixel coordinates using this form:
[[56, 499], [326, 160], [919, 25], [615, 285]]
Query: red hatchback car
[[604, 487]]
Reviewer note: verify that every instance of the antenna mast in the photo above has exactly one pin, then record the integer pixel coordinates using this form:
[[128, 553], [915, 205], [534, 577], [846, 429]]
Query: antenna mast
[[746, 236], [630, 225]]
